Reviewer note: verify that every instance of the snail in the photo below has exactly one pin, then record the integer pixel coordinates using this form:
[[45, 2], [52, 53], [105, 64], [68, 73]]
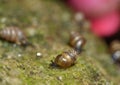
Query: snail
[[115, 51], [14, 35], [65, 59], [77, 41]]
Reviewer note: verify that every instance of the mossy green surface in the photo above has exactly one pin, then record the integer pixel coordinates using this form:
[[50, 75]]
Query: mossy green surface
[[47, 25]]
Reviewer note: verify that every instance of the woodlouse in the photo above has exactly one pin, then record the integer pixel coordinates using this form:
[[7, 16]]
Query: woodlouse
[[14, 35], [65, 59], [76, 41]]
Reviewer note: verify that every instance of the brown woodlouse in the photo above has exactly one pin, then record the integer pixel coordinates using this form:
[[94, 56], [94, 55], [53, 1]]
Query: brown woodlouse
[[115, 51], [65, 59], [77, 41], [14, 35]]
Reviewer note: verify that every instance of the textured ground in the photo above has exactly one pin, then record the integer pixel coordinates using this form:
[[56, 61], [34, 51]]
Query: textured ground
[[47, 24]]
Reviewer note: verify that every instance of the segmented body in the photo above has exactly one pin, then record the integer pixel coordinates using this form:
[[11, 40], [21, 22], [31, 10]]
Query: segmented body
[[115, 50], [77, 41], [13, 34], [66, 59]]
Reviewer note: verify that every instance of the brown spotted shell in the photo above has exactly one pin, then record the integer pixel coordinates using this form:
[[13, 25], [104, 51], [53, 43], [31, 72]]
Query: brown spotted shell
[[76, 41], [13, 34], [66, 59]]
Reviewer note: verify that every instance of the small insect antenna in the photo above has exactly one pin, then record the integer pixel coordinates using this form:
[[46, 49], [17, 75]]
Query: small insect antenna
[[52, 64]]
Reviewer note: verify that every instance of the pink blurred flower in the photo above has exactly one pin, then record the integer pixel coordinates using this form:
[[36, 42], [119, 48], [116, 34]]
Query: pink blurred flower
[[106, 25], [103, 14], [93, 7]]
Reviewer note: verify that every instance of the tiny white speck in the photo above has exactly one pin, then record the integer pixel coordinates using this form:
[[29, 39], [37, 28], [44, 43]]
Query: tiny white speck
[[39, 54], [19, 55], [59, 78]]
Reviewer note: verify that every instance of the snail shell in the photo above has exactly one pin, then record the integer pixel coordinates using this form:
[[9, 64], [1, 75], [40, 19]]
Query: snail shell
[[66, 59], [115, 50], [13, 34], [77, 41]]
